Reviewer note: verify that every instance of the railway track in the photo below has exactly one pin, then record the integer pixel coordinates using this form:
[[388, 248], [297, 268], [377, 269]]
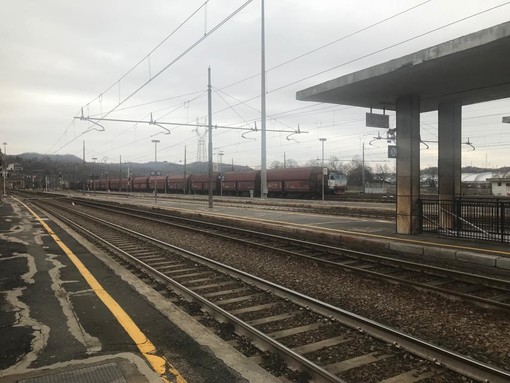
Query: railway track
[[326, 343], [478, 289], [369, 208]]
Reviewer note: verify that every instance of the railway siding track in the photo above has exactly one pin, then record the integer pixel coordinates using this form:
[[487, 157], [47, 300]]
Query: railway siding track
[[385, 211], [330, 344], [482, 290]]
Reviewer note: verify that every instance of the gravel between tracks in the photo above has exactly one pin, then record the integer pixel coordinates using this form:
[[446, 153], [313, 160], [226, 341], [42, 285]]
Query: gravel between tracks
[[480, 333]]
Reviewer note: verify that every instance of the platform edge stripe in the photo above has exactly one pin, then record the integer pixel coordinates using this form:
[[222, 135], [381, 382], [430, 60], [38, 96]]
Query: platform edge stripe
[[143, 343]]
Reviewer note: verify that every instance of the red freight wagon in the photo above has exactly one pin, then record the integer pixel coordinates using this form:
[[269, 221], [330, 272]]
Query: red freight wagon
[[140, 183], [177, 183], [241, 183], [199, 183], [297, 181]]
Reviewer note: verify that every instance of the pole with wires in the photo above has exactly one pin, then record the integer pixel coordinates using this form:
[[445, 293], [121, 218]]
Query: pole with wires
[[323, 172], [210, 148], [263, 169], [155, 172], [4, 165]]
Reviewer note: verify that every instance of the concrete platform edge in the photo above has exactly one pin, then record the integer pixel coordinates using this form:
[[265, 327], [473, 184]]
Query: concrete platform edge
[[451, 253], [228, 354]]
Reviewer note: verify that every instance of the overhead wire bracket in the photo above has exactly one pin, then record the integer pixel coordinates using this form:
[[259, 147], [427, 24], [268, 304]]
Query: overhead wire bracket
[[83, 118], [153, 122], [375, 139], [470, 144], [250, 131], [298, 131]]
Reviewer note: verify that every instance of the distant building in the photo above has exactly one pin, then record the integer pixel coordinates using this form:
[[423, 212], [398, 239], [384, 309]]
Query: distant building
[[14, 168], [500, 186]]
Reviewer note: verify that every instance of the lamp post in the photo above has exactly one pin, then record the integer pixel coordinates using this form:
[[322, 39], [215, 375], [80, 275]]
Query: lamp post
[[220, 154], [156, 142], [263, 163], [363, 170], [185, 171], [155, 161], [322, 165], [93, 175], [5, 166]]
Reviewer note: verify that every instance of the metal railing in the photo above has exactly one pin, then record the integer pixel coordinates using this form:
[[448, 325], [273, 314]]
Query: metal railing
[[484, 219]]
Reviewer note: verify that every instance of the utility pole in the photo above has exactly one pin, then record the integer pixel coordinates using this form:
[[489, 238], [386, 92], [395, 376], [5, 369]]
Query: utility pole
[[322, 140], [363, 170], [129, 187], [93, 177], [84, 169], [184, 179], [210, 149], [263, 165], [155, 150], [120, 172], [4, 173], [155, 171], [220, 154]]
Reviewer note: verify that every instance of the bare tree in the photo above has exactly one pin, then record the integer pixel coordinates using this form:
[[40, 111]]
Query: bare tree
[[355, 175], [290, 163], [382, 173], [276, 165], [313, 163]]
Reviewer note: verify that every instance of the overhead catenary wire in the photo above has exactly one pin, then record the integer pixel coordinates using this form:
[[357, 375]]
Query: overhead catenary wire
[[126, 74], [186, 51], [285, 62], [408, 39], [391, 46], [151, 52], [370, 54], [207, 34], [200, 94], [330, 43]]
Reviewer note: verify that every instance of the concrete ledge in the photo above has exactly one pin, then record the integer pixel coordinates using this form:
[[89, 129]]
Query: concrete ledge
[[479, 259], [377, 243], [356, 240], [503, 263], [406, 248], [441, 253]]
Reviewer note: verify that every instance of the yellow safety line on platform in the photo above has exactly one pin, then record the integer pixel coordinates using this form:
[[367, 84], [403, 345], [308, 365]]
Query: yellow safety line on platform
[[146, 347]]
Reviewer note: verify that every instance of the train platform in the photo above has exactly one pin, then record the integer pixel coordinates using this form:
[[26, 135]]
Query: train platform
[[356, 232], [70, 314]]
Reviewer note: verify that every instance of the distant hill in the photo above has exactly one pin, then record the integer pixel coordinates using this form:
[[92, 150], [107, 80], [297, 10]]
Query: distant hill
[[71, 166], [67, 158]]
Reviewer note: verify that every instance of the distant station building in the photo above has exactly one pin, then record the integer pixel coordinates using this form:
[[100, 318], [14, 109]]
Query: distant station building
[[14, 168], [500, 186]]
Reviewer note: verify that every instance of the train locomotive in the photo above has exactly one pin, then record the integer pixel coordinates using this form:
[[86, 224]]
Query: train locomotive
[[286, 183]]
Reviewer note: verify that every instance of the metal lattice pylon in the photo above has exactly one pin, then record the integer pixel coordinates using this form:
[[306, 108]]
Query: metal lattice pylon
[[201, 150]]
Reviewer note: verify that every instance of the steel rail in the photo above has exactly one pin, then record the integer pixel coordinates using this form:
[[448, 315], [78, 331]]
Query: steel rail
[[257, 337], [485, 281], [452, 360]]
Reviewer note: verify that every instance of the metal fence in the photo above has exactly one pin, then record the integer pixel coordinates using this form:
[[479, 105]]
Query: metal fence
[[485, 219]]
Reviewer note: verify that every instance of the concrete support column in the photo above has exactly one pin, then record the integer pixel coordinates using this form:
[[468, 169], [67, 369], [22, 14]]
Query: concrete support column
[[408, 164], [450, 159]]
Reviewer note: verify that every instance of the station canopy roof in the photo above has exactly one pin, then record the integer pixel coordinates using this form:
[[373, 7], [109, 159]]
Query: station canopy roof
[[473, 68]]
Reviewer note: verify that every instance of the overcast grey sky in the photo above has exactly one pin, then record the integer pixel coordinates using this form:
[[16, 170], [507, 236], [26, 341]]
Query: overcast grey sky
[[59, 56]]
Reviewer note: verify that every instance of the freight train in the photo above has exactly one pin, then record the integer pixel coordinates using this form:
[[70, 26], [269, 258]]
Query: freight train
[[289, 182]]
